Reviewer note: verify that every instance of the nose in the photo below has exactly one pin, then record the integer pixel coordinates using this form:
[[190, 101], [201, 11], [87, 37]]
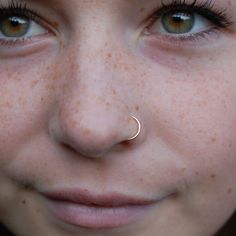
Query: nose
[[91, 116]]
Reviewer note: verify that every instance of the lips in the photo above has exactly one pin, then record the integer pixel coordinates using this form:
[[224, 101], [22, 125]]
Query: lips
[[87, 198], [85, 209]]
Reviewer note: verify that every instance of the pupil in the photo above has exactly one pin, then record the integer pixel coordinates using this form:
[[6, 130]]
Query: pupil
[[14, 22], [181, 17], [177, 18]]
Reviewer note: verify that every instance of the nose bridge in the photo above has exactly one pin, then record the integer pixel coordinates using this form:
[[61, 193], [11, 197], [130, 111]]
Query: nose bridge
[[92, 86], [93, 82], [89, 53]]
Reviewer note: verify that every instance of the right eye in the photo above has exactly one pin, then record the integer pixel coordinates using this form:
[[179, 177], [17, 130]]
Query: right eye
[[180, 20], [180, 23], [15, 27]]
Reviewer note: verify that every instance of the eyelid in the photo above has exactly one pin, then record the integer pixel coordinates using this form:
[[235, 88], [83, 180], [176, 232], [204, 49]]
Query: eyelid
[[209, 36], [22, 9], [35, 29], [205, 8], [201, 24]]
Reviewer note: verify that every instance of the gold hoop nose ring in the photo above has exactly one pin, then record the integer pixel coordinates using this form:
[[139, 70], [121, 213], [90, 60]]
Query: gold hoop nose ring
[[138, 130]]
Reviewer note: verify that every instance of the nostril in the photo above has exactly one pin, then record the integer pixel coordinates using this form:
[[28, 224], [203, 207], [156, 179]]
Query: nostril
[[67, 147]]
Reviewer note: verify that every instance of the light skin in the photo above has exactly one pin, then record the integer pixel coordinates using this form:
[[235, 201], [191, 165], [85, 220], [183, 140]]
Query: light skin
[[66, 103]]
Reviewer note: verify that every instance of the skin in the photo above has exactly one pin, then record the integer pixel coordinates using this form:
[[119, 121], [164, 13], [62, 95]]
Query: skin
[[66, 101]]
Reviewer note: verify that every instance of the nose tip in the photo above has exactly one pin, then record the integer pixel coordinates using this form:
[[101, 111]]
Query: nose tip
[[93, 136]]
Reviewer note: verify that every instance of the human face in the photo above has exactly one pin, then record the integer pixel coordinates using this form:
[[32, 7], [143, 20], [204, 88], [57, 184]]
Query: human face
[[67, 96]]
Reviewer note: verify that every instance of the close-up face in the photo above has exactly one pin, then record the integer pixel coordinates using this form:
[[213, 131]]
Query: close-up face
[[117, 117]]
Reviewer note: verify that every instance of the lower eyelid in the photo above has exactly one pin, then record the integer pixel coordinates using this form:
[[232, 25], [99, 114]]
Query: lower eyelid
[[41, 44], [182, 44]]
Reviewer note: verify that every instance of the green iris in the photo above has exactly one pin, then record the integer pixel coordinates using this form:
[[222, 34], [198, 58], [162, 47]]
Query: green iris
[[14, 26], [178, 22]]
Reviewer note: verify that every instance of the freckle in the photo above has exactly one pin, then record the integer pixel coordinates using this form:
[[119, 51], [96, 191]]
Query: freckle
[[142, 9], [213, 140], [50, 87], [229, 190], [183, 169], [137, 108], [143, 83], [87, 131], [74, 123], [34, 83], [23, 202], [213, 176], [7, 104], [230, 145], [201, 74], [188, 74], [181, 116], [211, 58], [109, 55], [55, 24], [62, 45], [197, 173], [141, 180], [114, 92], [54, 77]]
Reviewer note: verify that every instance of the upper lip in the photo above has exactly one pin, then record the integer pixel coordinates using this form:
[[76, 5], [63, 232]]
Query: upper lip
[[78, 196]]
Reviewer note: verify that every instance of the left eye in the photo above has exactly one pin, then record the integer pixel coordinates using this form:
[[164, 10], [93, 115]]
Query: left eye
[[180, 23], [15, 27]]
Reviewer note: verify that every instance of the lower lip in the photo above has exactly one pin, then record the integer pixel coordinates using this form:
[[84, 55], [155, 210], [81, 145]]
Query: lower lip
[[97, 216]]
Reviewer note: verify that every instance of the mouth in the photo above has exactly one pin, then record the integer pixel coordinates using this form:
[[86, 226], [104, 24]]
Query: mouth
[[85, 209]]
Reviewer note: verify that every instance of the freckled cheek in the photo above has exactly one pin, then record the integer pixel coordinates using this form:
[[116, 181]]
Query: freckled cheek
[[193, 121], [26, 97], [210, 142]]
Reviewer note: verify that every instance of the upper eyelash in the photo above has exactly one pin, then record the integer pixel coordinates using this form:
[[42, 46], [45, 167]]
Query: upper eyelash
[[19, 8], [205, 8]]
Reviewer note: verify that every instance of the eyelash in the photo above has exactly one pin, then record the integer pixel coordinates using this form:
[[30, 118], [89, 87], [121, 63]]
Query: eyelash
[[206, 9], [19, 8]]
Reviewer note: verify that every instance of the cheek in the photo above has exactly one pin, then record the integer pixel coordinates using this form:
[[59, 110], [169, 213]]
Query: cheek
[[196, 117], [26, 95]]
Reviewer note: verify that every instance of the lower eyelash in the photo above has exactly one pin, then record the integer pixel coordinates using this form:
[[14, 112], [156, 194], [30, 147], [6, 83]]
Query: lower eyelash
[[12, 42], [194, 37]]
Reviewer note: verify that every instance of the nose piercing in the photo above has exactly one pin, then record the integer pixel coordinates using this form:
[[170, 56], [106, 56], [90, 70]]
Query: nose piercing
[[138, 130]]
